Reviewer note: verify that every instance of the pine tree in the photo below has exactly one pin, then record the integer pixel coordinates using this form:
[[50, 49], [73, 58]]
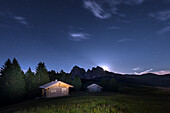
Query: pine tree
[[105, 84], [42, 74], [113, 85], [3, 79], [52, 75], [67, 78], [62, 72], [5, 67], [31, 83], [15, 82], [77, 83]]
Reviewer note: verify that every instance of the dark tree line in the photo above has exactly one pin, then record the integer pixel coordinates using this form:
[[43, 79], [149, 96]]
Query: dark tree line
[[110, 85], [12, 81], [15, 85]]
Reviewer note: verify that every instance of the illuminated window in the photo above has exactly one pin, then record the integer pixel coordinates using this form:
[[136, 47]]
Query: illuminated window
[[64, 89], [53, 91]]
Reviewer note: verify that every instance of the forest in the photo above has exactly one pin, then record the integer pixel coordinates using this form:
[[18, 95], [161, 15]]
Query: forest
[[16, 86]]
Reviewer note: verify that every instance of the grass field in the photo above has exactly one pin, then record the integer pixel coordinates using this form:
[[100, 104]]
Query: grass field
[[132, 100]]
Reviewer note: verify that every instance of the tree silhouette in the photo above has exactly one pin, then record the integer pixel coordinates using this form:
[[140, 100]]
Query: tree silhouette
[[13, 81], [42, 74], [105, 84], [52, 75], [113, 85], [77, 83], [4, 79], [31, 83]]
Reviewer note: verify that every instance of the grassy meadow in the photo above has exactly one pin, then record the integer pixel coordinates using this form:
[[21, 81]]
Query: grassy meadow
[[129, 100]]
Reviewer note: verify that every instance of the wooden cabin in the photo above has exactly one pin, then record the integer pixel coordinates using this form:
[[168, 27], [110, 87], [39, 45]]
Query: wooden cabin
[[94, 88], [55, 89]]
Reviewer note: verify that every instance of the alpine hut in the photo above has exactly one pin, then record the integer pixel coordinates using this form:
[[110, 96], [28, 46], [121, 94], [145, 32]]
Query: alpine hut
[[55, 89], [94, 88]]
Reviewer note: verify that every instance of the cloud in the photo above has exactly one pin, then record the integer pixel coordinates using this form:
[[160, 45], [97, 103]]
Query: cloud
[[136, 69], [164, 30], [7, 17], [124, 40], [21, 20], [113, 28], [106, 8], [162, 72], [161, 15], [18, 18], [144, 72], [79, 36], [96, 9]]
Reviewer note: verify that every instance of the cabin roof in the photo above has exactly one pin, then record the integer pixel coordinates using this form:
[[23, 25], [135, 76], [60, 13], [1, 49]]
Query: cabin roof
[[93, 85], [53, 83]]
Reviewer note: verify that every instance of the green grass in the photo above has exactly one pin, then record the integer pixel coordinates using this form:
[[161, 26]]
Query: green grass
[[134, 100]]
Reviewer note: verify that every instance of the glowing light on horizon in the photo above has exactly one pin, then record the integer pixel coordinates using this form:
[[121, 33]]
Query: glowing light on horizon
[[105, 68]]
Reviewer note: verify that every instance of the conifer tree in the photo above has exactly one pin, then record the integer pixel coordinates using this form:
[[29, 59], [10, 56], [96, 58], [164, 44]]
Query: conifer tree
[[52, 75], [67, 78], [5, 67], [77, 83], [31, 83], [113, 85], [42, 74], [15, 82], [3, 79], [105, 84]]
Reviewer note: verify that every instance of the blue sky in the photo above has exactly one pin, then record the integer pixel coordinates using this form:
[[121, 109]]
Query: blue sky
[[127, 36]]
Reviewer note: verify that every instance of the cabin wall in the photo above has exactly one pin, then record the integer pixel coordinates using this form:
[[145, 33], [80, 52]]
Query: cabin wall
[[57, 90], [94, 89]]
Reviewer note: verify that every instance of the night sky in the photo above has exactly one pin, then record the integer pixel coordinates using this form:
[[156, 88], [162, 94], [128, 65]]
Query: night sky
[[127, 36]]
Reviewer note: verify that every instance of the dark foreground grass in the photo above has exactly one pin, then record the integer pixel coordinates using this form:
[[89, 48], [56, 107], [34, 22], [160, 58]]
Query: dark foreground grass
[[135, 100]]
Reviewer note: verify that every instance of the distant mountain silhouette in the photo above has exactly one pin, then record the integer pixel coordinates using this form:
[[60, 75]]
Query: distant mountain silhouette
[[98, 73]]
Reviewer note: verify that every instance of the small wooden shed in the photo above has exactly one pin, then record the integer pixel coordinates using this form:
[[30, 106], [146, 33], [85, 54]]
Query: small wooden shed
[[55, 89], [94, 88]]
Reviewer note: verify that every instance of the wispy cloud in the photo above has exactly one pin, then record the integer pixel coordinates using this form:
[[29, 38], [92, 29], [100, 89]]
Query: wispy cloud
[[96, 9], [144, 72], [162, 72], [161, 15], [113, 28], [164, 30], [124, 40], [8, 16], [18, 18], [21, 20], [136, 69], [105, 9], [79, 36]]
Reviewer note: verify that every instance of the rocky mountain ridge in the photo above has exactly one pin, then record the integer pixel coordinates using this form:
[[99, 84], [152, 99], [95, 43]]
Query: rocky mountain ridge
[[91, 74], [98, 73]]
